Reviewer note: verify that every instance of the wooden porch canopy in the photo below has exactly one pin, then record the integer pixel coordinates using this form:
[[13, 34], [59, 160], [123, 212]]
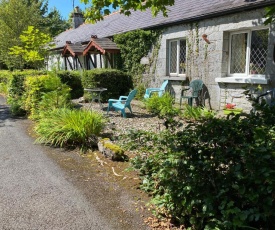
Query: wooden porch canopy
[[101, 45], [73, 50]]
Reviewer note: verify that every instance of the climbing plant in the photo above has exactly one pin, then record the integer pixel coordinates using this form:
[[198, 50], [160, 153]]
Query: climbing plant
[[193, 50], [134, 46]]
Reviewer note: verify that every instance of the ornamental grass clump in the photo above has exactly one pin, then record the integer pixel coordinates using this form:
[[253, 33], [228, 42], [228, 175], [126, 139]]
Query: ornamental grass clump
[[197, 113], [70, 128]]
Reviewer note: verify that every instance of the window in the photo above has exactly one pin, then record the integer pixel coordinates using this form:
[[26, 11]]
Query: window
[[248, 52], [177, 57]]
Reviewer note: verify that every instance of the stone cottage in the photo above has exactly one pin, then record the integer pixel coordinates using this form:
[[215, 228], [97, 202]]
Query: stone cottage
[[222, 42]]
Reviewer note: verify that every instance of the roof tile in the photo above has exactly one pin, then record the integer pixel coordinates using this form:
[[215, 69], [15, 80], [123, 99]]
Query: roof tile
[[181, 11]]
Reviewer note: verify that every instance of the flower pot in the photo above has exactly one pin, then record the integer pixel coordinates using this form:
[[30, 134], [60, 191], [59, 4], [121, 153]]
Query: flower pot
[[235, 111]]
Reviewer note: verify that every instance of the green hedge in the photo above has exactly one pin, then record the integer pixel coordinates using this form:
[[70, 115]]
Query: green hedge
[[5, 77], [16, 90], [73, 80], [43, 93], [117, 82], [24, 96]]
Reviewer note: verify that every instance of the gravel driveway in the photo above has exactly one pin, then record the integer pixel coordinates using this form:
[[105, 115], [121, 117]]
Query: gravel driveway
[[47, 188]]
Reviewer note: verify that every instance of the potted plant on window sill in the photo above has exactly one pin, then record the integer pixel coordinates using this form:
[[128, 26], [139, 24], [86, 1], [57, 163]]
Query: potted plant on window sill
[[231, 108]]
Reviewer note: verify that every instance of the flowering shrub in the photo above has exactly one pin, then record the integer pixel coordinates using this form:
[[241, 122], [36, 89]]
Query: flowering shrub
[[230, 106]]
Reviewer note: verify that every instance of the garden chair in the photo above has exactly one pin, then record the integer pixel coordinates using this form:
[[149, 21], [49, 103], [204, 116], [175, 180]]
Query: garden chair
[[122, 103], [149, 91], [195, 87]]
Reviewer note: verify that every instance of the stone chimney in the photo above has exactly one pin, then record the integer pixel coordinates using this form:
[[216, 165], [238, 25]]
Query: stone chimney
[[77, 17]]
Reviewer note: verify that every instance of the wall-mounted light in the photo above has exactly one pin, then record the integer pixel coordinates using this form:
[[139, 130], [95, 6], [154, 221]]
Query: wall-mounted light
[[204, 37]]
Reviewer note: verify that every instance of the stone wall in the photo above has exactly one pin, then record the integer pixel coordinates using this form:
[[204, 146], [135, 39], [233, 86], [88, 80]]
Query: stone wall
[[210, 61]]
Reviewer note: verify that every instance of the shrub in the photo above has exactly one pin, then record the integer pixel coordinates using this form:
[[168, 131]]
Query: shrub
[[196, 113], [15, 93], [16, 90], [5, 77], [73, 80], [163, 107], [44, 92], [218, 174], [117, 82], [65, 127], [140, 91]]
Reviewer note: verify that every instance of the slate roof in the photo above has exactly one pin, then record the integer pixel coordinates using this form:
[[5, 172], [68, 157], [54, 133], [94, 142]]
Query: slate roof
[[182, 11]]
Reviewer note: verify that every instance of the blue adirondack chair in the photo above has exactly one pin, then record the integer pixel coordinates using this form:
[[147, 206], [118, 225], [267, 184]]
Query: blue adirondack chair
[[149, 91], [122, 103], [196, 87]]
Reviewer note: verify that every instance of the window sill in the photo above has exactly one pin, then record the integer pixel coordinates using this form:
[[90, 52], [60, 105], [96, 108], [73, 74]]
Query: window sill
[[241, 80], [174, 78]]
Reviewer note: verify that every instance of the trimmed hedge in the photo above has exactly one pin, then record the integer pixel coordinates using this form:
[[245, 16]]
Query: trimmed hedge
[[73, 80], [117, 82], [5, 76], [16, 90]]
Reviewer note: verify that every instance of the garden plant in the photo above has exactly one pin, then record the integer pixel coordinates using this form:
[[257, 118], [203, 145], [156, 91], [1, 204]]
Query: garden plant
[[214, 174], [66, 127]]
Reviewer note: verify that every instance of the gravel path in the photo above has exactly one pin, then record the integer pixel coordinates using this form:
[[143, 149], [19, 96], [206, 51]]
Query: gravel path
[[140, 119]]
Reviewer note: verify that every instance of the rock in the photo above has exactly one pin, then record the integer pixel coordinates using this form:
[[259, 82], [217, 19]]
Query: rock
[[111, 150]]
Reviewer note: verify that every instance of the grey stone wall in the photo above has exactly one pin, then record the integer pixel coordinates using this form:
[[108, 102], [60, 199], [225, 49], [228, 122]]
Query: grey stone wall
[[210, 61]]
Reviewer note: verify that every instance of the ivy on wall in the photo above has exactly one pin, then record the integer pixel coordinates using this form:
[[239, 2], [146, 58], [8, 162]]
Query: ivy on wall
[[135, 45], [197, 54]]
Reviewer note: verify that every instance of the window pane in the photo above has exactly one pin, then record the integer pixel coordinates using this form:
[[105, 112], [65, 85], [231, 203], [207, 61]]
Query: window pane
[[238, 53], [258, 51], [182, 63], [173, 57]]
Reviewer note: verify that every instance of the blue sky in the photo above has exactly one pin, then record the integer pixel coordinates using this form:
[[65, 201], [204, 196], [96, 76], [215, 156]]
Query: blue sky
[[65, 6]]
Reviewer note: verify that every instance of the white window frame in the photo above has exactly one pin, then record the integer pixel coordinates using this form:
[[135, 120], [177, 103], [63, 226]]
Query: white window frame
[[178, 57], [244, 77], [248, 47]]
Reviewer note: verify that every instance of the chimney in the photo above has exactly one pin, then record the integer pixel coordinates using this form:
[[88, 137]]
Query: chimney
[[77, 17]]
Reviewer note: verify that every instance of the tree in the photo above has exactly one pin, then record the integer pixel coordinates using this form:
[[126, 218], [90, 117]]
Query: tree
[[100, 8], [34, 48], [54, 23], [15, 17], [270, 14]]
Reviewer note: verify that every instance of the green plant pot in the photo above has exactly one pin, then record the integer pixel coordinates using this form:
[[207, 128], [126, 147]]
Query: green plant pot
[[235, 111]]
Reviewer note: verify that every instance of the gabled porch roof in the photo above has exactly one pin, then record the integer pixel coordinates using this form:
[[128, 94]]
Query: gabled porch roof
[[72, 49], [96, 45], [101, 45]]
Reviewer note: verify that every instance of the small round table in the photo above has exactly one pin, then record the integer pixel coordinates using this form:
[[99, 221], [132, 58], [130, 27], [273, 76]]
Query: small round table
[[95, 93]]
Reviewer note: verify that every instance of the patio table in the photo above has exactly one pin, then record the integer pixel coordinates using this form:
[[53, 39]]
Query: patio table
[[95, 95]]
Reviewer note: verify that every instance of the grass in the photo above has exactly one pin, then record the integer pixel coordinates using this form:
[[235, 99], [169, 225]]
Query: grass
[[65, 127]]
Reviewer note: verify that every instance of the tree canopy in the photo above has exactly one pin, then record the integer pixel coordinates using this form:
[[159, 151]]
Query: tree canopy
[[33, 48], [100, 8], [54, 23], [270, 14], [16, 16]]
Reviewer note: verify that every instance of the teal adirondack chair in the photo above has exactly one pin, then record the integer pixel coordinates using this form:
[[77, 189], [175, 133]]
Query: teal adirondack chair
[[122, 103], [196, 87], [149, 91]]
